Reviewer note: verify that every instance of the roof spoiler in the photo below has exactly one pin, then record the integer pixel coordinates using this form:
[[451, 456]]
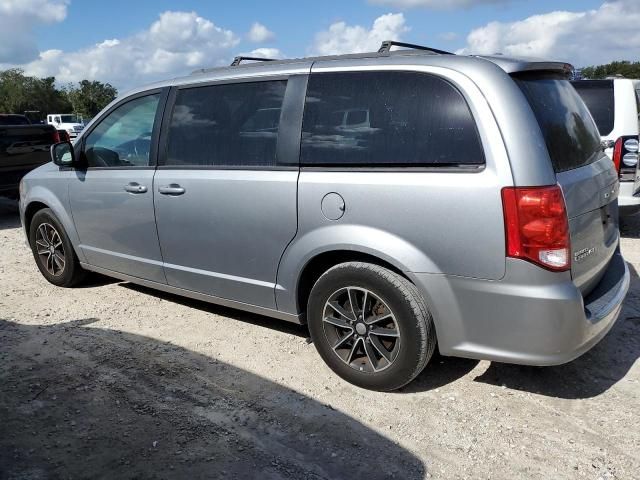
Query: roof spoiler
[[515, 66]]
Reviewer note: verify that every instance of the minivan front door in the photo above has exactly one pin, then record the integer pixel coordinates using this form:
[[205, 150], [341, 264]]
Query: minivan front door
[[225, 206], [112, 195]]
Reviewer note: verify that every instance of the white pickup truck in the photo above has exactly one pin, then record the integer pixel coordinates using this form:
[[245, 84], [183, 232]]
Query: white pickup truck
[[66, 121]]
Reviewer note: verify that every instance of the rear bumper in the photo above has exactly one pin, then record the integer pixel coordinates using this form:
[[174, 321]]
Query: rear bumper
[[628, 203], [530, 317]]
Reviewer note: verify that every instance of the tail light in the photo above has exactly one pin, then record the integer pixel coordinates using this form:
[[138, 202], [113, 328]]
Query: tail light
[[617, 154], [536, 226], [625, 154], [56, 137]]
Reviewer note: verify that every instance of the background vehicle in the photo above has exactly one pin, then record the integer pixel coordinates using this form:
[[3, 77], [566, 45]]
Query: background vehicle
[[615, 106], [23, 147], [71, 123], [463, 207]]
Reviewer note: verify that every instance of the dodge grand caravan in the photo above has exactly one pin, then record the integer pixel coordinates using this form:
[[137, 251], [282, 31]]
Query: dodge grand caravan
[[473, 209]]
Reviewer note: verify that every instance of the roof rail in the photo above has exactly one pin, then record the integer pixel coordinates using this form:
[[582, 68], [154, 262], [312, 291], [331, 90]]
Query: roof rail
[[386, 45], [237, 60]]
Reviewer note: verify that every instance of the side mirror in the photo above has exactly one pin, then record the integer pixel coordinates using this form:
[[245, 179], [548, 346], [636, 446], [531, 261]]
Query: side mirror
[[62, 154]]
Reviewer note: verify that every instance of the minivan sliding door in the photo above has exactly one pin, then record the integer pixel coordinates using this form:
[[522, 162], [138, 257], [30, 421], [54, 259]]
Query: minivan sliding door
[[225, 189]]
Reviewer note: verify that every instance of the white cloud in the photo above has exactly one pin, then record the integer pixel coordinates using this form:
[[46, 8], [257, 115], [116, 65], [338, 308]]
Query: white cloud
[[265, 53], [436, 4], [342, 38], [582, 38], [176, 43], [19, 19], [259, 33]]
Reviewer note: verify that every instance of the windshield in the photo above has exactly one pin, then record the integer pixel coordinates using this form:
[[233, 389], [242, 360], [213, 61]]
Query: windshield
[[569, 131], [70, 119], [598, 95]]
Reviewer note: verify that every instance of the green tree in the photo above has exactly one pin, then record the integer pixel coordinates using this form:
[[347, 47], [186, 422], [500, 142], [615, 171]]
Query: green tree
[[623, 67], [89, 97], [19, 93]]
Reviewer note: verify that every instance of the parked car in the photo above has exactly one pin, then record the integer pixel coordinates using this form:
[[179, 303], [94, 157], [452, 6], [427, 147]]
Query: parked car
[[472, 215], [23, 147], [70, 123], [615, 106]]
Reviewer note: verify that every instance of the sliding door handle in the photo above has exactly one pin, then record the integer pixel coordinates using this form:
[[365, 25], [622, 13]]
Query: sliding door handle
[[173, 189]]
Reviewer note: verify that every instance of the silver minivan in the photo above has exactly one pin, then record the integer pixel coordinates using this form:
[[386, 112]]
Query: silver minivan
[[467, 205]]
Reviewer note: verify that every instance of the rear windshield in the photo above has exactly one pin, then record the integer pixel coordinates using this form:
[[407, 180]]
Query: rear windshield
[[598, 95], [571, 136], [13, 120]]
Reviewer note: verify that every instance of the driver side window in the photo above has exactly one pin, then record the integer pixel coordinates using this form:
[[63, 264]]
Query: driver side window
[[123, 138]]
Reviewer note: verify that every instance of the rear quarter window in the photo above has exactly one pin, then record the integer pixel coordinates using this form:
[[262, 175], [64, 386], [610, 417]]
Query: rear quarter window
[[569, 131], [387, 119], [599, 98]]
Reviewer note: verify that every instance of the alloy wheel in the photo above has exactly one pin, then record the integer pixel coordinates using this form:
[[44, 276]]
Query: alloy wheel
[[361, 329], [50, 249]]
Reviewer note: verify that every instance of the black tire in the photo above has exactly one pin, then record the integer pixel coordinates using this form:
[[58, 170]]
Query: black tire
[[45, 224], [391, 294]]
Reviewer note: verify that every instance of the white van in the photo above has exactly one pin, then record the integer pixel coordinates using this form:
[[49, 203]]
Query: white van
[[615, 107]]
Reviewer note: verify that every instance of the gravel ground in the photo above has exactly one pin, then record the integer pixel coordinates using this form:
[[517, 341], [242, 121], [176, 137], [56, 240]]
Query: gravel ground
[[118, 381]]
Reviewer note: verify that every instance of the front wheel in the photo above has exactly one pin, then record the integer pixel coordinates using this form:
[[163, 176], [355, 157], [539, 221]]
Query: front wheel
[[370, 325], [52, 250]]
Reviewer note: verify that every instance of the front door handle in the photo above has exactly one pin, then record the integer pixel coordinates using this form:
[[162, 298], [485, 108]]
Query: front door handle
[[173, 189], [135, 187]]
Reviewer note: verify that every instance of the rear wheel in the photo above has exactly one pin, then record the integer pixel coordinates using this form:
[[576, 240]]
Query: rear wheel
[[370, 325], [52, 250]]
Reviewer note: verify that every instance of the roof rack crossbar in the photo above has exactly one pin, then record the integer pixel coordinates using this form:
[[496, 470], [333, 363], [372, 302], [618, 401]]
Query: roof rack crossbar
[[386, 45], [237, 60]]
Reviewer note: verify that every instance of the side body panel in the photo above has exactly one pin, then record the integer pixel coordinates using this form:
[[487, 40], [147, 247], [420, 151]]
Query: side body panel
[[420, 221]]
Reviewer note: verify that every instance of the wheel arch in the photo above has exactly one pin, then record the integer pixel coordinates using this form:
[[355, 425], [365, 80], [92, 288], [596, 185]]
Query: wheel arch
[[322, 262], [40, 198], [309, 255], [29, 212]]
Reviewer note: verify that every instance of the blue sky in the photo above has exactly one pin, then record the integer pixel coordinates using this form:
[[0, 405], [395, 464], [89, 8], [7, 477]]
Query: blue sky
[[294, 22], [131, 42]]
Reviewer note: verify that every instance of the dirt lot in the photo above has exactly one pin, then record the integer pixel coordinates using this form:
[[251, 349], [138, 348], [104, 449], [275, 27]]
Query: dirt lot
[[117, 381]]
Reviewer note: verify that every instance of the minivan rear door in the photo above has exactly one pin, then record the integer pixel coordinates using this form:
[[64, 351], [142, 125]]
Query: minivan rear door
[[588, 178]]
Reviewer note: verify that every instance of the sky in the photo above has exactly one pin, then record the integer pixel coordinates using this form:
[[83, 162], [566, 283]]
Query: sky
[[129, 43]]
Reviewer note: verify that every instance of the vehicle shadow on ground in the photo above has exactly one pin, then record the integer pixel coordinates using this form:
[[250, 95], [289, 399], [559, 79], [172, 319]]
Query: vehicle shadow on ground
[[589, 375], [84, 402], [440, 371], [240, 315], [9, 215]]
